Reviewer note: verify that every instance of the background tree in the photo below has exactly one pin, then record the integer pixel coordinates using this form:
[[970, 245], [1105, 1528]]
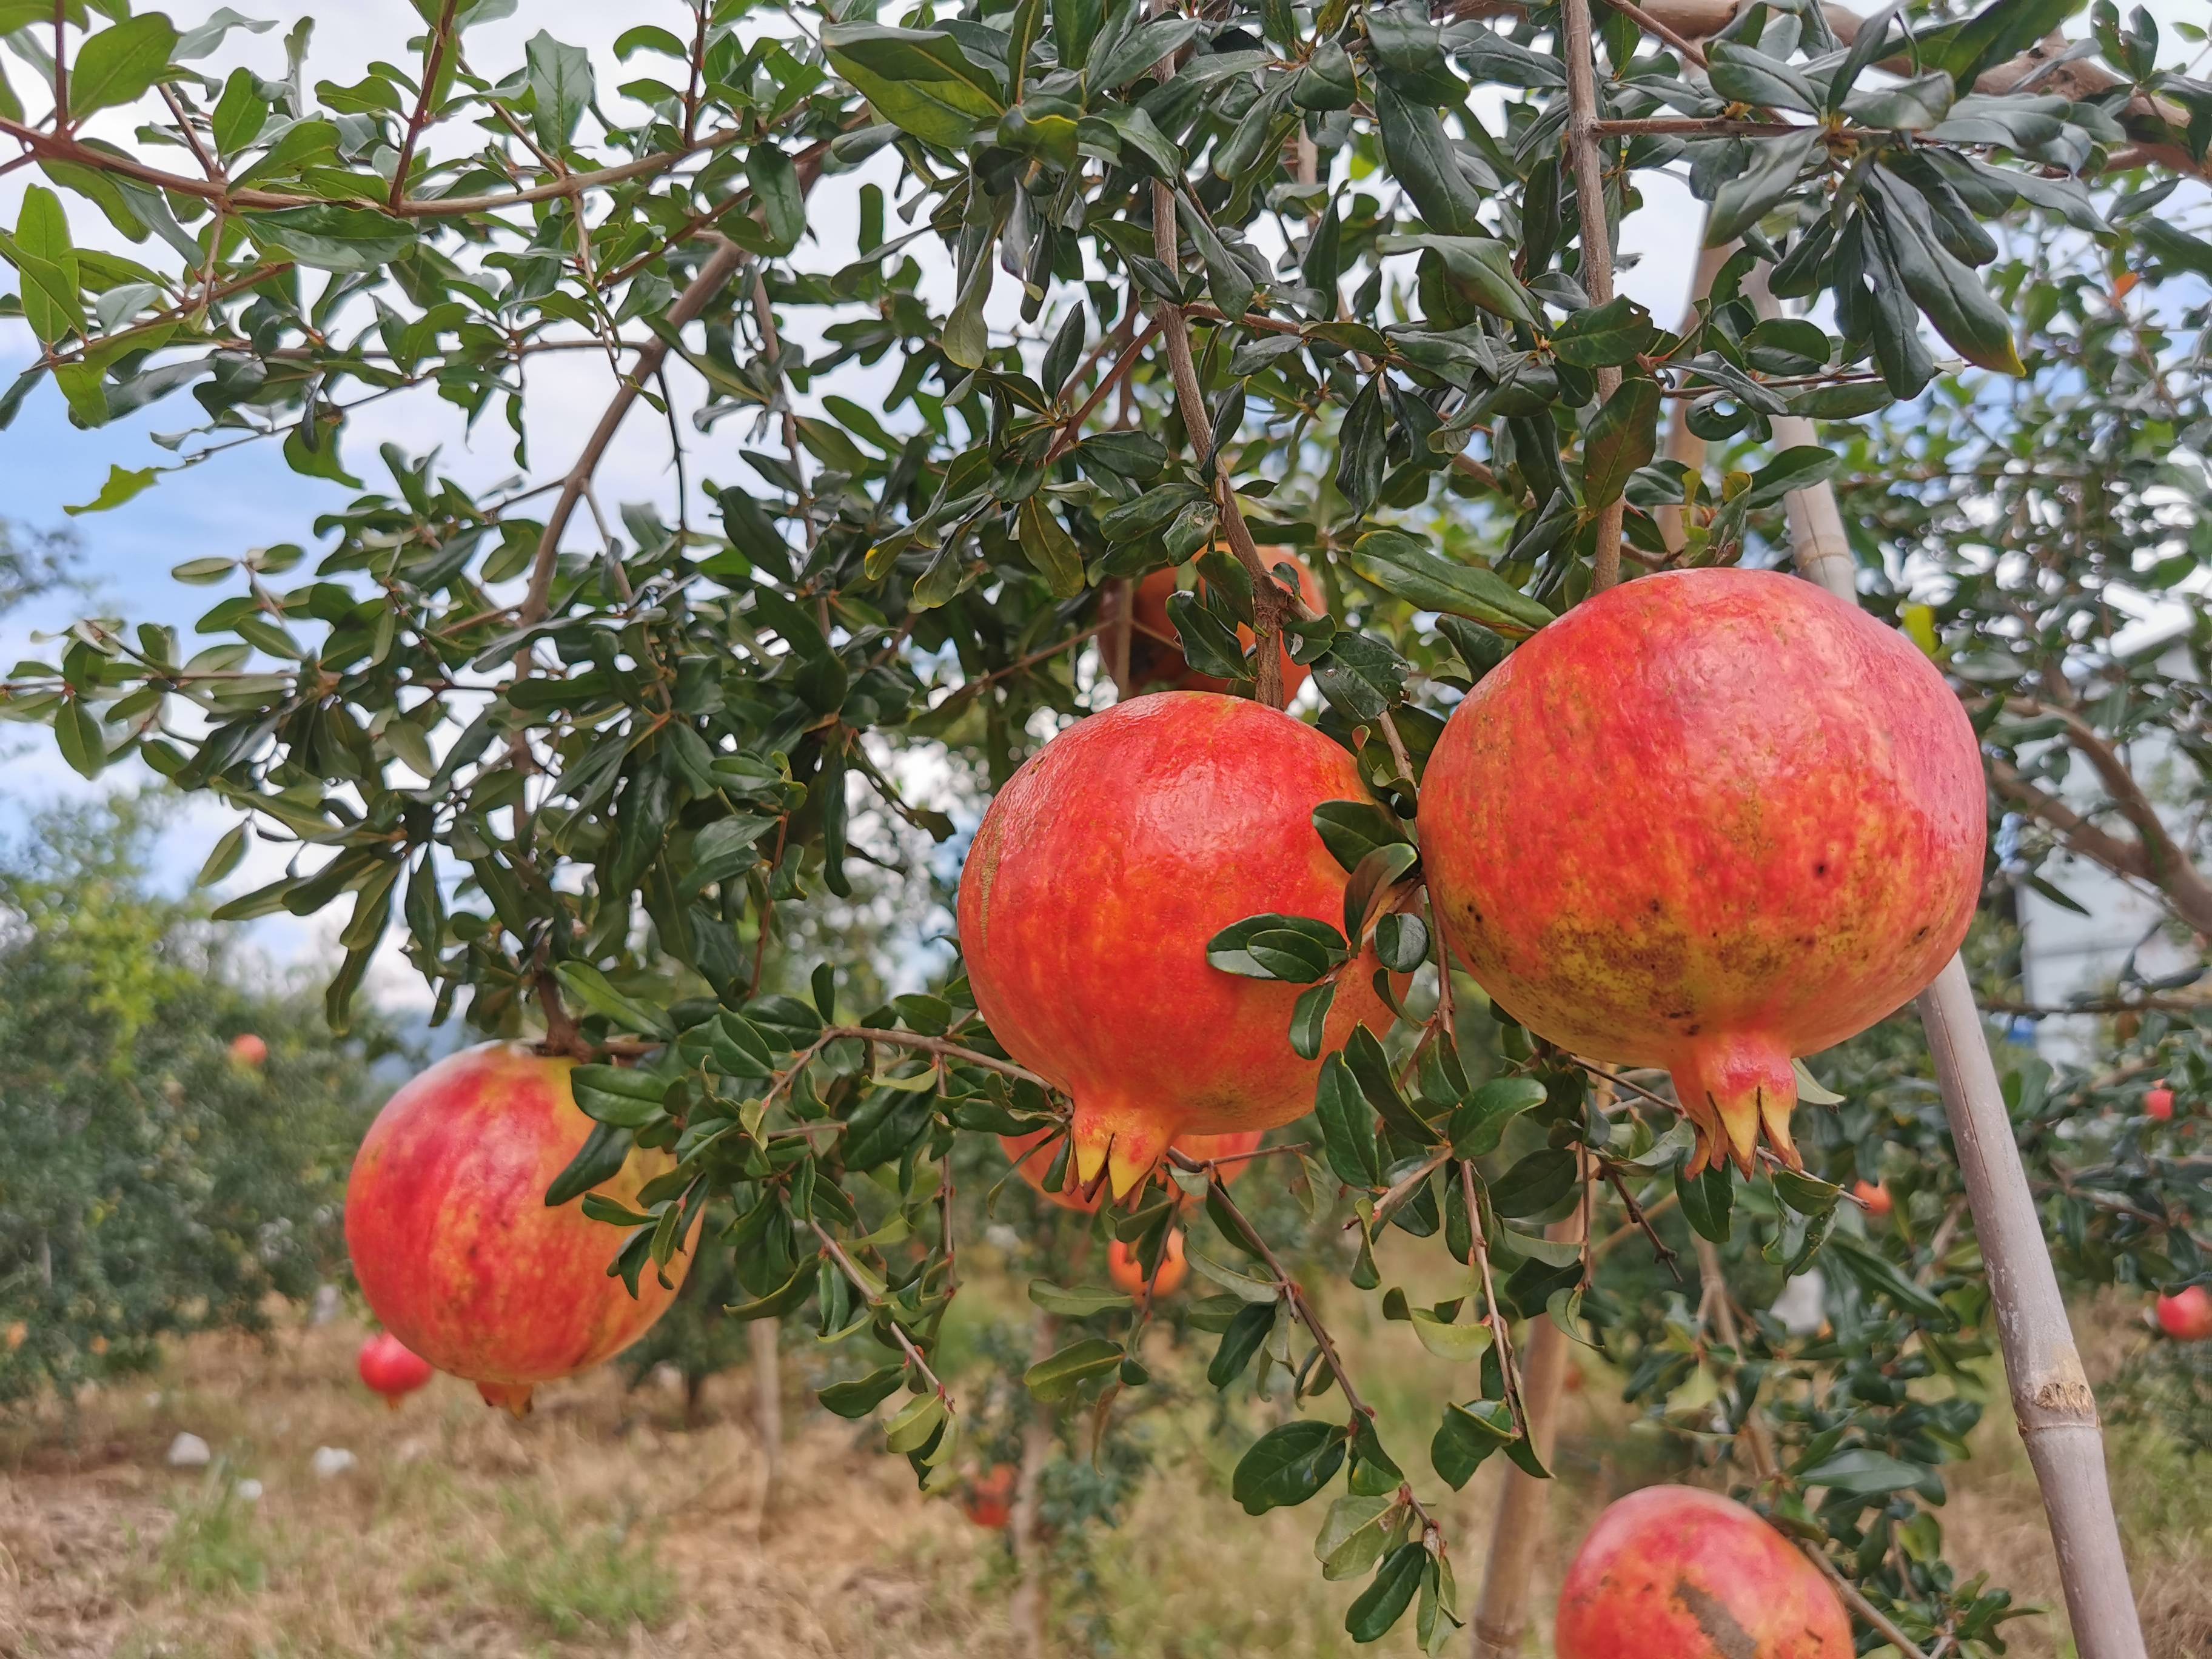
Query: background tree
[[154, 1185], [1318, 279]]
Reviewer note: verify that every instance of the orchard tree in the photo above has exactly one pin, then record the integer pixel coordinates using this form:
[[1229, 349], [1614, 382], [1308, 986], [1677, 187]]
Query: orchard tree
[[156, 1182], [1335, 282]]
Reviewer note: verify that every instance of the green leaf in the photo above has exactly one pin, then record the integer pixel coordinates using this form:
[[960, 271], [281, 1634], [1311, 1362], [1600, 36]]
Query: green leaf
[[1481, 268], [918, 79], [1230, 283], [1047, 544], [1351, 830], [1402, 942], [915, 1424], [1059, 1377], [332, 236], [561, 87], [1605, 336], [861, 1395], [622, 1096], [41, 250], [1309, 1019], [82, 743], [120, 487], [1354, 1535], [1744, 195], [1300, 948], [1706, 1200], [1463, 1345], [1479, 1124], [1744, 75], [2000, 30], [1288, 1464], [1863, 1471], [1535, 1183], [1467, 1435], [590, 987], [777, 193], [1947, 289], [1622, 436], [601, 1157], [1081, 1302], [1240, 1342], [1425, 165], [1347, 1126], [1384, 1601], [119, 66], [1401, 563]]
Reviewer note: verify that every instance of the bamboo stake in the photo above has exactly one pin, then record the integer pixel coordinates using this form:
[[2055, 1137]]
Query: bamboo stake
[[767, 1406], [2050, 1396], [1026, 1612], [1501, 1612], [1596, 270]]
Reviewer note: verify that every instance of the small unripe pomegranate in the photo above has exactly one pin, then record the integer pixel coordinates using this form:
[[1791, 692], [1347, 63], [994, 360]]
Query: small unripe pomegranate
[[456, 1250], [989, 1500], [1708, 820], [390, 1369], [2158, 1103], [1674, 1572], [1874, 1196], [2187, 1315], [1035, 1166], [1128, 1273], [247, 1049], [1155, 649], [1097, 878]]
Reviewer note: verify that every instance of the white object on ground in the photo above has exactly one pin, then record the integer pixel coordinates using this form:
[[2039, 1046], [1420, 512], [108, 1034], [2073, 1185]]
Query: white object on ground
[[330, 1461], [326, 1306], [248, 1491], [189, 1451]]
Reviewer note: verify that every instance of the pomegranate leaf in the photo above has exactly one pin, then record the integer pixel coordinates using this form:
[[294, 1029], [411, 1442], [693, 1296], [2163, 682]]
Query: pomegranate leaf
[[1080, 1301], [1705, 1200], [1059, 1377], [1534, 1184], [1347, 1126], [1384, 1601], [1288, 1464], [1375, 875], [1351, 830], [1401, 943], [862, 1394], [1354, 1535], [1309, 1018], [1239, 1343]]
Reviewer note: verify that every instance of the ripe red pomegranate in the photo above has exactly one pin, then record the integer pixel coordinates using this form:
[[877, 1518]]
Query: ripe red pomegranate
[[1875, 1196], [1677, 1573], [389, 1368], [2158, 1103], [247, 1049], [2187, 1315], [453, 1242], [1096, 879], [1155, 649], [1708, 820], [1128, 1273], [1071, 1196], [989, 1500]]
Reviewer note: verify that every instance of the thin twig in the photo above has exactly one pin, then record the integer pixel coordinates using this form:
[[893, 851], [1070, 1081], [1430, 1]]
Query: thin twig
[[915, 1355]]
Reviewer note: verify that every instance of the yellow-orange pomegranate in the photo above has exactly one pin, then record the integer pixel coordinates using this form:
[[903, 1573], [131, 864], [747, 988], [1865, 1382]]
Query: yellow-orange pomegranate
[[1096, 881], [453, 1242], [1708, 820], [1673, 1572], [1126, 1272]]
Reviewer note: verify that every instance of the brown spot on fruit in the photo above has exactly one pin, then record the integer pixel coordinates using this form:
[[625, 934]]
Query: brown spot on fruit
[[1728, 1638]]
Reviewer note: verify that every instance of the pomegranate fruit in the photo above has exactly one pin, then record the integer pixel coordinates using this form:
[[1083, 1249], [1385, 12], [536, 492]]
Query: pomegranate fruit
[[1128, 1273], [2158, 1103], [1708, 820], [1875, 1196], [453, 1242], [247, 1049], [1674, 1572], [1155, 649], [1034, 1167], [390, 1369], [989, 1500], [1096, 881], [2187, 1315]]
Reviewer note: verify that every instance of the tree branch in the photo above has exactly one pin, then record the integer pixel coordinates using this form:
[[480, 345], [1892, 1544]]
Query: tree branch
[[1596, 268]]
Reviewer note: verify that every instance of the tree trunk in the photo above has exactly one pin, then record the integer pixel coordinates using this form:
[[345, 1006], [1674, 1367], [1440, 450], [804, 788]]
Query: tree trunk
[[1031, 1600], [1501, 1614], [2050, 1396], [767, 1406]]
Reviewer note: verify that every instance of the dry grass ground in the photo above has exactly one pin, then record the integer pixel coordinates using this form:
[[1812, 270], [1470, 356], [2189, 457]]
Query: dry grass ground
[[601, 1525]]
